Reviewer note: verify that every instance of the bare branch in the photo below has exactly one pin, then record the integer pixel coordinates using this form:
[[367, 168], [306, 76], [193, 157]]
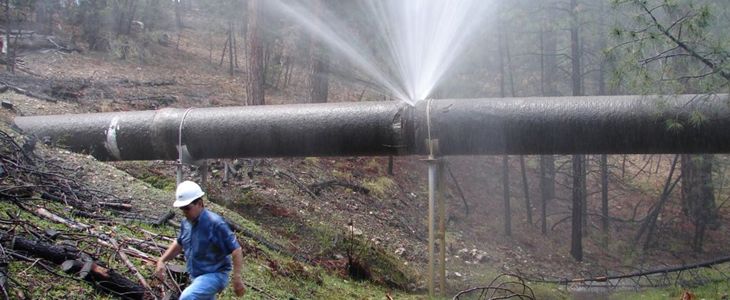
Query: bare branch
[[684, 45]]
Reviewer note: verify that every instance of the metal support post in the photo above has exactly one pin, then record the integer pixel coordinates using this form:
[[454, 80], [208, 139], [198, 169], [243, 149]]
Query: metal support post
[[434, 176], [442, 227], [178, 172], [432, 182]]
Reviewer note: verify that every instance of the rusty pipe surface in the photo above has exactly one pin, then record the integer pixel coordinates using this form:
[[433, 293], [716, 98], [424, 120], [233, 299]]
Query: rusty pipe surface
[[560, 125]]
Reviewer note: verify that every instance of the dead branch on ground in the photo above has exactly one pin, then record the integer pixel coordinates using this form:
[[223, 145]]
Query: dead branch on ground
[[318, 187], [297, 182]]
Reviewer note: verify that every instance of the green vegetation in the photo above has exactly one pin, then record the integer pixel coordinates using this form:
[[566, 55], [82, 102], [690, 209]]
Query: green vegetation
[[164, 183], [380, 186], [271, 272]]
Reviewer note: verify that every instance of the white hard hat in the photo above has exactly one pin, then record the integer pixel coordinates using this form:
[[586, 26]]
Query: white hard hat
[[187, 191]]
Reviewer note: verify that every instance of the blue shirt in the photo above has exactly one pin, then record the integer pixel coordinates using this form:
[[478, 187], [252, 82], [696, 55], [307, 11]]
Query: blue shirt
[[208, 243]]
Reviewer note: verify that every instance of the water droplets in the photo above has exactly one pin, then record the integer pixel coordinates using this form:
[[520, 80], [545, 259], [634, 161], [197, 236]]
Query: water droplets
[[408, 45]]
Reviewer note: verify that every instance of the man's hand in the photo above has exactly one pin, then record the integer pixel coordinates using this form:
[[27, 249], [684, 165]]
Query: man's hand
[[160, 270], [169, 254], [238, 286]]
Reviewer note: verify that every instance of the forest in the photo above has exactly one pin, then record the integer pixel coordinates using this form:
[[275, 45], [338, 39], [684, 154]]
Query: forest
[[604, 173]]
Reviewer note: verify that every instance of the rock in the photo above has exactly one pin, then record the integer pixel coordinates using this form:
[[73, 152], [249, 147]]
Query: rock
[[7, 105], [473, 256], [482, 258], [400, 251], [354, 230]]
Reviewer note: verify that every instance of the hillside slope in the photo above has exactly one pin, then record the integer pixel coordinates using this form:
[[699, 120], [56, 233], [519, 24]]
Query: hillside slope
[[312, 228]]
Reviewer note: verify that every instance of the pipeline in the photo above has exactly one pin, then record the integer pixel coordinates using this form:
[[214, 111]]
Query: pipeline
[[559, 125]]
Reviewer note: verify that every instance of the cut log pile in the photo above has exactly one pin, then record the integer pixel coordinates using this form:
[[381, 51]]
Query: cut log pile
[[44, 195], [70, 231]]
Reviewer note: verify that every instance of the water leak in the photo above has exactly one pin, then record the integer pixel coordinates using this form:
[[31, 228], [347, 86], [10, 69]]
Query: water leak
[[407, 46]]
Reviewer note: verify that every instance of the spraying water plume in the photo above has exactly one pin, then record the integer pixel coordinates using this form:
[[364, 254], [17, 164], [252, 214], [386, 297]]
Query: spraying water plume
[[405, 46]]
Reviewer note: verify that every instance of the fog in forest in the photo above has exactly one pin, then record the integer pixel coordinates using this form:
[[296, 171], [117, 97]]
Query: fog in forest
[[466, 149]]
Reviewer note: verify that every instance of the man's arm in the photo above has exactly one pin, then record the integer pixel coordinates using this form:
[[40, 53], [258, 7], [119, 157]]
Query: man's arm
[[169, 254], [238, 286]]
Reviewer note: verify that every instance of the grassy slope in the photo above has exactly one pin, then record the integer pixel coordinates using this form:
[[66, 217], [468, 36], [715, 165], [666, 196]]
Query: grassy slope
[[276, 274]]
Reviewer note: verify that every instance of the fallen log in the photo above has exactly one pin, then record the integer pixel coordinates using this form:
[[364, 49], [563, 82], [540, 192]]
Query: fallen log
[[56, 254], [65, 200], [151, 83], [42, 212], [103, 279], [149, 246], [160, 99], [114, 205], [164, 218], [28, 93], [131, 251], [88, 215]]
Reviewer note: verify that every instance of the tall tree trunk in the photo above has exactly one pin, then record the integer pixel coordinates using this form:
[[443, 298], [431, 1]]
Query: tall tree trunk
[[526, 190], [545, 181], [602, 70], [178, 15], [235, 46], [584, 192], [390, 165], [44, 11], [649, 225], [255, 82], [231, 46], [548, 87], [698, 195], [604, 197], [319, 77], [575, 51], [225, 49], [317, 80], [550, 53], [505, 187], [150, 19], [505, 159], [92, 17], [131, 13], [10, 60], [579, 179], [125, 11], [576, 248]]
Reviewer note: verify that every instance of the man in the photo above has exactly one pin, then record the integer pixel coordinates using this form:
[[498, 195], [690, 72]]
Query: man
[[209, 245]]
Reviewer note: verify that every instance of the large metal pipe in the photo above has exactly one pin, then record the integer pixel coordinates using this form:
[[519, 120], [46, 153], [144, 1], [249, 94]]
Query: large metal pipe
[[562, 125]]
